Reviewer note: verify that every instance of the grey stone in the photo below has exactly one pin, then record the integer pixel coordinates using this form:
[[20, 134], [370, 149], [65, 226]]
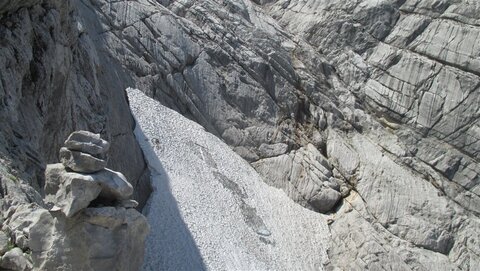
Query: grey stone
[[21, 240], [72, 192], [97, 239], [75, 193], [81, 162], [305, 175], [403, 74], [15, 259], [325, 200], [87, 142], [341, 154], [266, 150], [114, 185], [53, 180], [4, 242], [128, 203]]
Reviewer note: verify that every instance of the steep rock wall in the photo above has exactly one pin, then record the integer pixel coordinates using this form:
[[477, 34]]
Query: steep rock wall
[[386, 92], [53, 82], [275, 78]]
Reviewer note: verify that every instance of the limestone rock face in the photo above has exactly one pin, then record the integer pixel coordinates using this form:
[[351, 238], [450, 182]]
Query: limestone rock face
[[273, 77], [54, 82], [4, 242], [364, 110], [105, 238], [305, 175]]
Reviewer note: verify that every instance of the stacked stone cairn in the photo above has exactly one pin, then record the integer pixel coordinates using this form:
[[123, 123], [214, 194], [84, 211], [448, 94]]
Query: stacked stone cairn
[[86, 220], [82, 179]]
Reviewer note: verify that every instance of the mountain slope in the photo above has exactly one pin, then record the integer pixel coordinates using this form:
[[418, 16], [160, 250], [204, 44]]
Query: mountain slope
[[364, 110]]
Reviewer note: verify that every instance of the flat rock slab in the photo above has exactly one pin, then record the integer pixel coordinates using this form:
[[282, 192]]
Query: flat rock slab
[[87, 142], [80, 161]]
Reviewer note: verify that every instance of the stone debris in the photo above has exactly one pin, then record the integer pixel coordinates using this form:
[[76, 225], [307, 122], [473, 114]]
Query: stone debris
[[211, 210]]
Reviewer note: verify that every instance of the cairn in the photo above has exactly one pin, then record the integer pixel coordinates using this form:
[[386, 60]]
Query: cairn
[[82, 179]]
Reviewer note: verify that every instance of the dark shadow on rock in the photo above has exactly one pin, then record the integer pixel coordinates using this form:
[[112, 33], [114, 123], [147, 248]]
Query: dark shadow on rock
[[170, 245]]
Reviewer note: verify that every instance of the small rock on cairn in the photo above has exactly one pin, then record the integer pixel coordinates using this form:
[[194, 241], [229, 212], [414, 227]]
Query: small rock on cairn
[[82, 179]]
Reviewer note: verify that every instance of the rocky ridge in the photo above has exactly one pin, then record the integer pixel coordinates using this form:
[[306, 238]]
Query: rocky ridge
[[274, 79], [386, 92]]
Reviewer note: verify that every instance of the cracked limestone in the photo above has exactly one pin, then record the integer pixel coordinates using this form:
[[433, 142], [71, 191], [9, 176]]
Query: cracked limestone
[[270, 78]]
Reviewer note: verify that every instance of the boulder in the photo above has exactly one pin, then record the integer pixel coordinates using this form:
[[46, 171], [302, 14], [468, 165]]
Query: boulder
[[106, 238], [53, 177], [3, 243], [325, 200], [71, 191], [75, 193], [114, 185], [80, 161], [87, 142], [16, 260]]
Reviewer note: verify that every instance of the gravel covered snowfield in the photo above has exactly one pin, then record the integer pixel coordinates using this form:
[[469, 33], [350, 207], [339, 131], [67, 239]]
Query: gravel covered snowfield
[[210, 209]]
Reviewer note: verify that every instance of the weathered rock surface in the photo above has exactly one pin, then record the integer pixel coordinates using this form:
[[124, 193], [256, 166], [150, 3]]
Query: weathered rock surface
[[80, 161], [87, 142], [386, 91], [16, 260], [71, 191], [106, 238], [85, 222], [305, 175], [4, 242], [272, 79], [75, 193], [54, 81]]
